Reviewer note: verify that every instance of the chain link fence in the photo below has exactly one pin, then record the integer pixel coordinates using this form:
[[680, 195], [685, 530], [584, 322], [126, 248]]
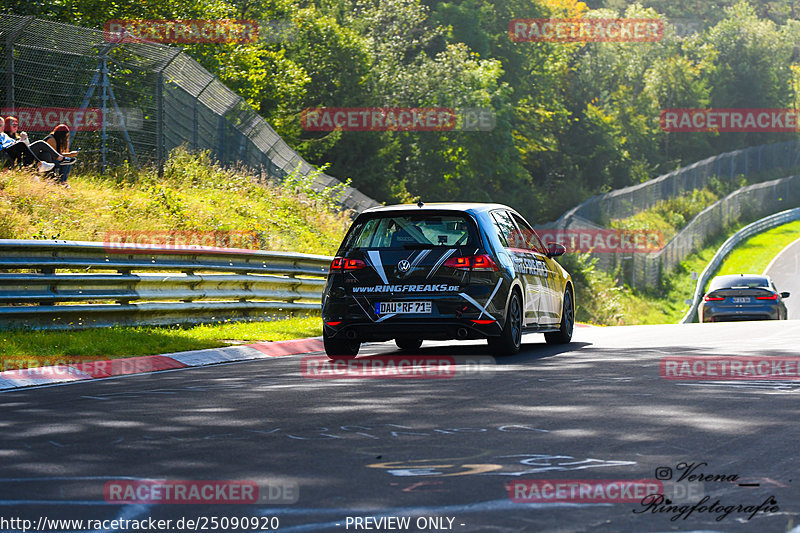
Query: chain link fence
[[626, 202], [744, 205], [644, 270], [152, 98]]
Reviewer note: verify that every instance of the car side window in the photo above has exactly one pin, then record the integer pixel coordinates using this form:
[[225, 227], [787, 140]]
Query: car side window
[[505, 228], [529, 238]]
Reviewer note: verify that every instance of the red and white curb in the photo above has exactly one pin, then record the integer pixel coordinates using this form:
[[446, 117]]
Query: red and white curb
[[47, 375]]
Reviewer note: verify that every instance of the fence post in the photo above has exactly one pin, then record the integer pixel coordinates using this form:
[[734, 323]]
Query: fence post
[[10, 69], [195, 122], [161, 154], [160, 122]]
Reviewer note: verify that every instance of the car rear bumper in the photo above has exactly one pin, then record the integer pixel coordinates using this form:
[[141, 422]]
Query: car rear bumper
[[739, 315], [444, 329]]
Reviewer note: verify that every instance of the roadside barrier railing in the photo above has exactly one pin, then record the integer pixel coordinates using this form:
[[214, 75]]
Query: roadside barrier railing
[[77, 285]]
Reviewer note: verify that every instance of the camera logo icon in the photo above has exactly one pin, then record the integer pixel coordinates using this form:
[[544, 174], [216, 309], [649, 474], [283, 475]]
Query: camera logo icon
[[663, 473]]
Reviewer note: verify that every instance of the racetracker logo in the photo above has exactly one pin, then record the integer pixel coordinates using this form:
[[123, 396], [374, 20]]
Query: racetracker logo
[[181, 31], [586, 30], [397, 119], [122, 242], [730, 368], [395, 367], [604, 241], [583, 490], [78, 119], [62, 368], [161, 491], [730, 120]]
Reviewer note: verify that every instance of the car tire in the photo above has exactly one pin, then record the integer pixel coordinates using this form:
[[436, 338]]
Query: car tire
[[408, 344], [340, 348], [564, 333], [510, 339]]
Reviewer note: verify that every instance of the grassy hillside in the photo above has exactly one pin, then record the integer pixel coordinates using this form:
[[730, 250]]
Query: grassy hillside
[[193, 195]]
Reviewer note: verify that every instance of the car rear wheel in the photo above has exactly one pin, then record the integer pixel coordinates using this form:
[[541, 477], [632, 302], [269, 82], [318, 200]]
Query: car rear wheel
[[408, 343], [564, 333], [509, 341], [340, 348]]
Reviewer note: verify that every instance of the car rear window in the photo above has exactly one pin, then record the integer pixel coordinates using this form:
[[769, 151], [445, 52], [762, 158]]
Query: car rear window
[[411, 231], [749, 282]]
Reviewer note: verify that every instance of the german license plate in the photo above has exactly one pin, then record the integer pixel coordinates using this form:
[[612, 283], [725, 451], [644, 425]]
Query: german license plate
[[385, 308], [741, 300]]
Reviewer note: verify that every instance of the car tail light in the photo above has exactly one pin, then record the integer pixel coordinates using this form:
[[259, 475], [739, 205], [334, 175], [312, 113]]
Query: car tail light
[[334, 323], [483, 262], [472, 262], [770, 297], [713, 298], [484, 321], [342, 264], [458, 262]]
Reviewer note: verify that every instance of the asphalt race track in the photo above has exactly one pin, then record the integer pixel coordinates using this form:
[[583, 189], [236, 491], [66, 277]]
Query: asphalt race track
[[349, 454], [785, 272]]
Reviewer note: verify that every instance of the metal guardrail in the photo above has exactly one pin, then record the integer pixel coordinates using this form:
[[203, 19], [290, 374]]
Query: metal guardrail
[[746, 232], [178, 286]]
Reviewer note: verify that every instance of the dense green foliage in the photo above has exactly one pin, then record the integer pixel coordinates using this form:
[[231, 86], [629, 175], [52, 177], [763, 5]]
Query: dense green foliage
[[572, 119]]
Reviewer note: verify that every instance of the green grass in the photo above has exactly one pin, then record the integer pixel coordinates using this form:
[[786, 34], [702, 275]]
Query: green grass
[[600, 299], [753, 255], [669, 216], [194, 196], [27, 349], [667, 305]]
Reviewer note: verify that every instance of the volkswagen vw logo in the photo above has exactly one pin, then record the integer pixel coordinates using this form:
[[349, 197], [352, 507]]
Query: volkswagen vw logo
[[403, 266]]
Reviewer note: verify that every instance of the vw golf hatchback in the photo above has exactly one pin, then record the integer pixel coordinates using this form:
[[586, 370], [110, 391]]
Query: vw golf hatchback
[[444, 271]]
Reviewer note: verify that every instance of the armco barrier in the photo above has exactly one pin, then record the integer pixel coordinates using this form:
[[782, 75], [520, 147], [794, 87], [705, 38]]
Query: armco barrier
[[746, 232], [74, 285]]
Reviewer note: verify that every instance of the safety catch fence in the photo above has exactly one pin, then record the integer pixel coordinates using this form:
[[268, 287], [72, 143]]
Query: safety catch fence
[[153, 98]]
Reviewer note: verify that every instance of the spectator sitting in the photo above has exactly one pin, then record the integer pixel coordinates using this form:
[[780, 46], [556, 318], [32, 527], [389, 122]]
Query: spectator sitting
[[20, 153], [11, 129], [55, 149]]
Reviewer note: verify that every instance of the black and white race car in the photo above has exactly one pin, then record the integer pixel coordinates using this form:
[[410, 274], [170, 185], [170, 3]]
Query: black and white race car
[[445, 271]]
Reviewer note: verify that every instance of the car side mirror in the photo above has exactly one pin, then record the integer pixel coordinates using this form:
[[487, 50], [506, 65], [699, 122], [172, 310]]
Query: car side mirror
[[555, 249], [784, 295]]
